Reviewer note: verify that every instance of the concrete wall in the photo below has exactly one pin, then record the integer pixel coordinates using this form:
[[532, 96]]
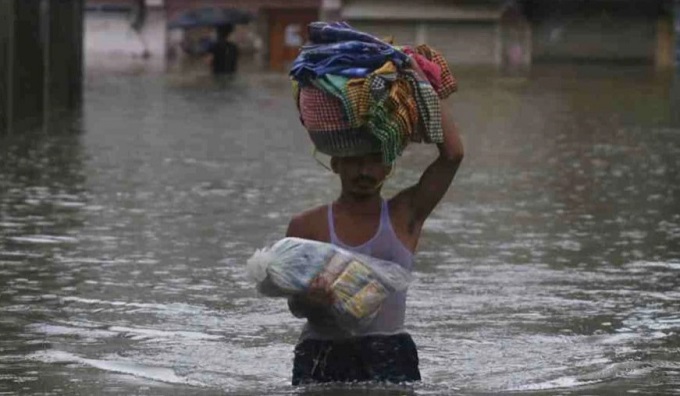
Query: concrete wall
[[6, 41], [66, 55], [466, 33], [624, 30], [41, 44], [595, 38], [432, 10], [29, 67], [676, 28]]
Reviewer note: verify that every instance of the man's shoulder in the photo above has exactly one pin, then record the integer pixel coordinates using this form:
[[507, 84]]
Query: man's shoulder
[[308, 224], [312, 214]]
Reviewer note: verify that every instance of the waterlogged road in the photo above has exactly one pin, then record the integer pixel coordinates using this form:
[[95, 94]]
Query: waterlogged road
[[551, 268]]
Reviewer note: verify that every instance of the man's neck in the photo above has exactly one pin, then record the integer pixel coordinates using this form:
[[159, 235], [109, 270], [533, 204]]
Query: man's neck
[[360, 205]]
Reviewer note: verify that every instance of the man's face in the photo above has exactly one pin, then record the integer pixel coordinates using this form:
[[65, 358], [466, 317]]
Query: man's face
[[361, 176]]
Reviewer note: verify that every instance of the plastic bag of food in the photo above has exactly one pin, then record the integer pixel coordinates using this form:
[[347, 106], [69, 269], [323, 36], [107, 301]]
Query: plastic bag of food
[[359, 283]]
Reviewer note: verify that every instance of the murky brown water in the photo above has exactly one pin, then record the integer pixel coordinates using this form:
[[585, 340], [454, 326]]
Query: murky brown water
[[552, 267]]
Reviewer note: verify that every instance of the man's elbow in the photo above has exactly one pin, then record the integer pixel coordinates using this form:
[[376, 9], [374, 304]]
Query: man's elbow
[[453, 155], [457, 156]]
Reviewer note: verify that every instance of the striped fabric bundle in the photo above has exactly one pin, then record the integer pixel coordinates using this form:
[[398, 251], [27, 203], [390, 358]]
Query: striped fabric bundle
[[357, 94]]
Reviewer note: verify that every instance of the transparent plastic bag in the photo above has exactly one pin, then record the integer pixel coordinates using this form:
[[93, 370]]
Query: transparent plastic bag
[[359, 283]]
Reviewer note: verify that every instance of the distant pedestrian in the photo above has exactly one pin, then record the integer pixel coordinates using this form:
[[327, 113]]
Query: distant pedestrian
[[224, 52], [137, 22]]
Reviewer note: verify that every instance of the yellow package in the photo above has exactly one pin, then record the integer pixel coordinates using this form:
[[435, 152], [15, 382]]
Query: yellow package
[[354, 278], [367, 300]]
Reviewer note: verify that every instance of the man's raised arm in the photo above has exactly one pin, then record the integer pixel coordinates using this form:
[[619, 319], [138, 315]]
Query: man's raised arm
[[422, 198]]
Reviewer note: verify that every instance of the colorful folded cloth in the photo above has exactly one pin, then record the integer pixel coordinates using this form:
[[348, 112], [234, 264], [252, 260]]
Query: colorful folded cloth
[[446, 84], [330, 131], [322, 112], [356, 92], [337, 86]]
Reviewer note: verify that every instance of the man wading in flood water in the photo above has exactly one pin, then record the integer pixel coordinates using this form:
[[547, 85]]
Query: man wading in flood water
[[360, 219]]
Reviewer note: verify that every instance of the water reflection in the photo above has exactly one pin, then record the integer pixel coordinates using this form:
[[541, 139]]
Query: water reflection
[[551, 267], [42, 205]]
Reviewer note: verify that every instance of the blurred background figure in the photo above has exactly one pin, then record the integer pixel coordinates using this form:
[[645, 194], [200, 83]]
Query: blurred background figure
[[137, 23], [196, 22], [224, 53], [125, 35]]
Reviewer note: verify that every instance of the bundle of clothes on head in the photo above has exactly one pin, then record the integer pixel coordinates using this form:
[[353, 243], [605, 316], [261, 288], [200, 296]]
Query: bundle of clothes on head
[[358, 94]]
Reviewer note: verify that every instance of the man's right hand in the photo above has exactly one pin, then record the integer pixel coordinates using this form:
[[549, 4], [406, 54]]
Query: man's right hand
[[320, 292], [315, 304]]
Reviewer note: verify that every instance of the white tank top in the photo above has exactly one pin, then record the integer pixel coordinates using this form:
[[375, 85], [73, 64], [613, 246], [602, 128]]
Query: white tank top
[[384, 245]]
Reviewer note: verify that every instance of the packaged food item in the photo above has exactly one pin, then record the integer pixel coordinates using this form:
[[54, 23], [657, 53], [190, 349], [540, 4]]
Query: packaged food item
[[359, 283]]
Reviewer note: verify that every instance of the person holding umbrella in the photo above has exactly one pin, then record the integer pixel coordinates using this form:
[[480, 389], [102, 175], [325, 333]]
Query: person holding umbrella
[[224, 53]]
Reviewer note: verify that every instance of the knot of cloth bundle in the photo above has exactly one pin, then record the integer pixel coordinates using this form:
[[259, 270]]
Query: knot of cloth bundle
[[358, 94]]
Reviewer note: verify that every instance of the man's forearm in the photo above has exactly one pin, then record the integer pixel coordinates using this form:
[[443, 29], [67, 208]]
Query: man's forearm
[[452, 147], [300, 308]]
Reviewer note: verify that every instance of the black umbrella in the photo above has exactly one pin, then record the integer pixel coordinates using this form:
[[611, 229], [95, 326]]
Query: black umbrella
[[210, 16]]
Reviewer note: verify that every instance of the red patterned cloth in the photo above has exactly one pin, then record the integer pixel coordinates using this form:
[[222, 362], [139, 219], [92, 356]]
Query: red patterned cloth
[[436, 69], [320, 111]]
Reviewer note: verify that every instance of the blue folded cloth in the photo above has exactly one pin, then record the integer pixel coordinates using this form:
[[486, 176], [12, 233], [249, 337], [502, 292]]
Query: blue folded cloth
[[337, 48], [322, 32]]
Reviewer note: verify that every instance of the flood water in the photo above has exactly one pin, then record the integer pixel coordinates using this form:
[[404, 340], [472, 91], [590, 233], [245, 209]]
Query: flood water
[[551, 268]]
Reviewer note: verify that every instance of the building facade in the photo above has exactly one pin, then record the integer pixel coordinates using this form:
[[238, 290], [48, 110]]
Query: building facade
[[467, 32], [623, 31]]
